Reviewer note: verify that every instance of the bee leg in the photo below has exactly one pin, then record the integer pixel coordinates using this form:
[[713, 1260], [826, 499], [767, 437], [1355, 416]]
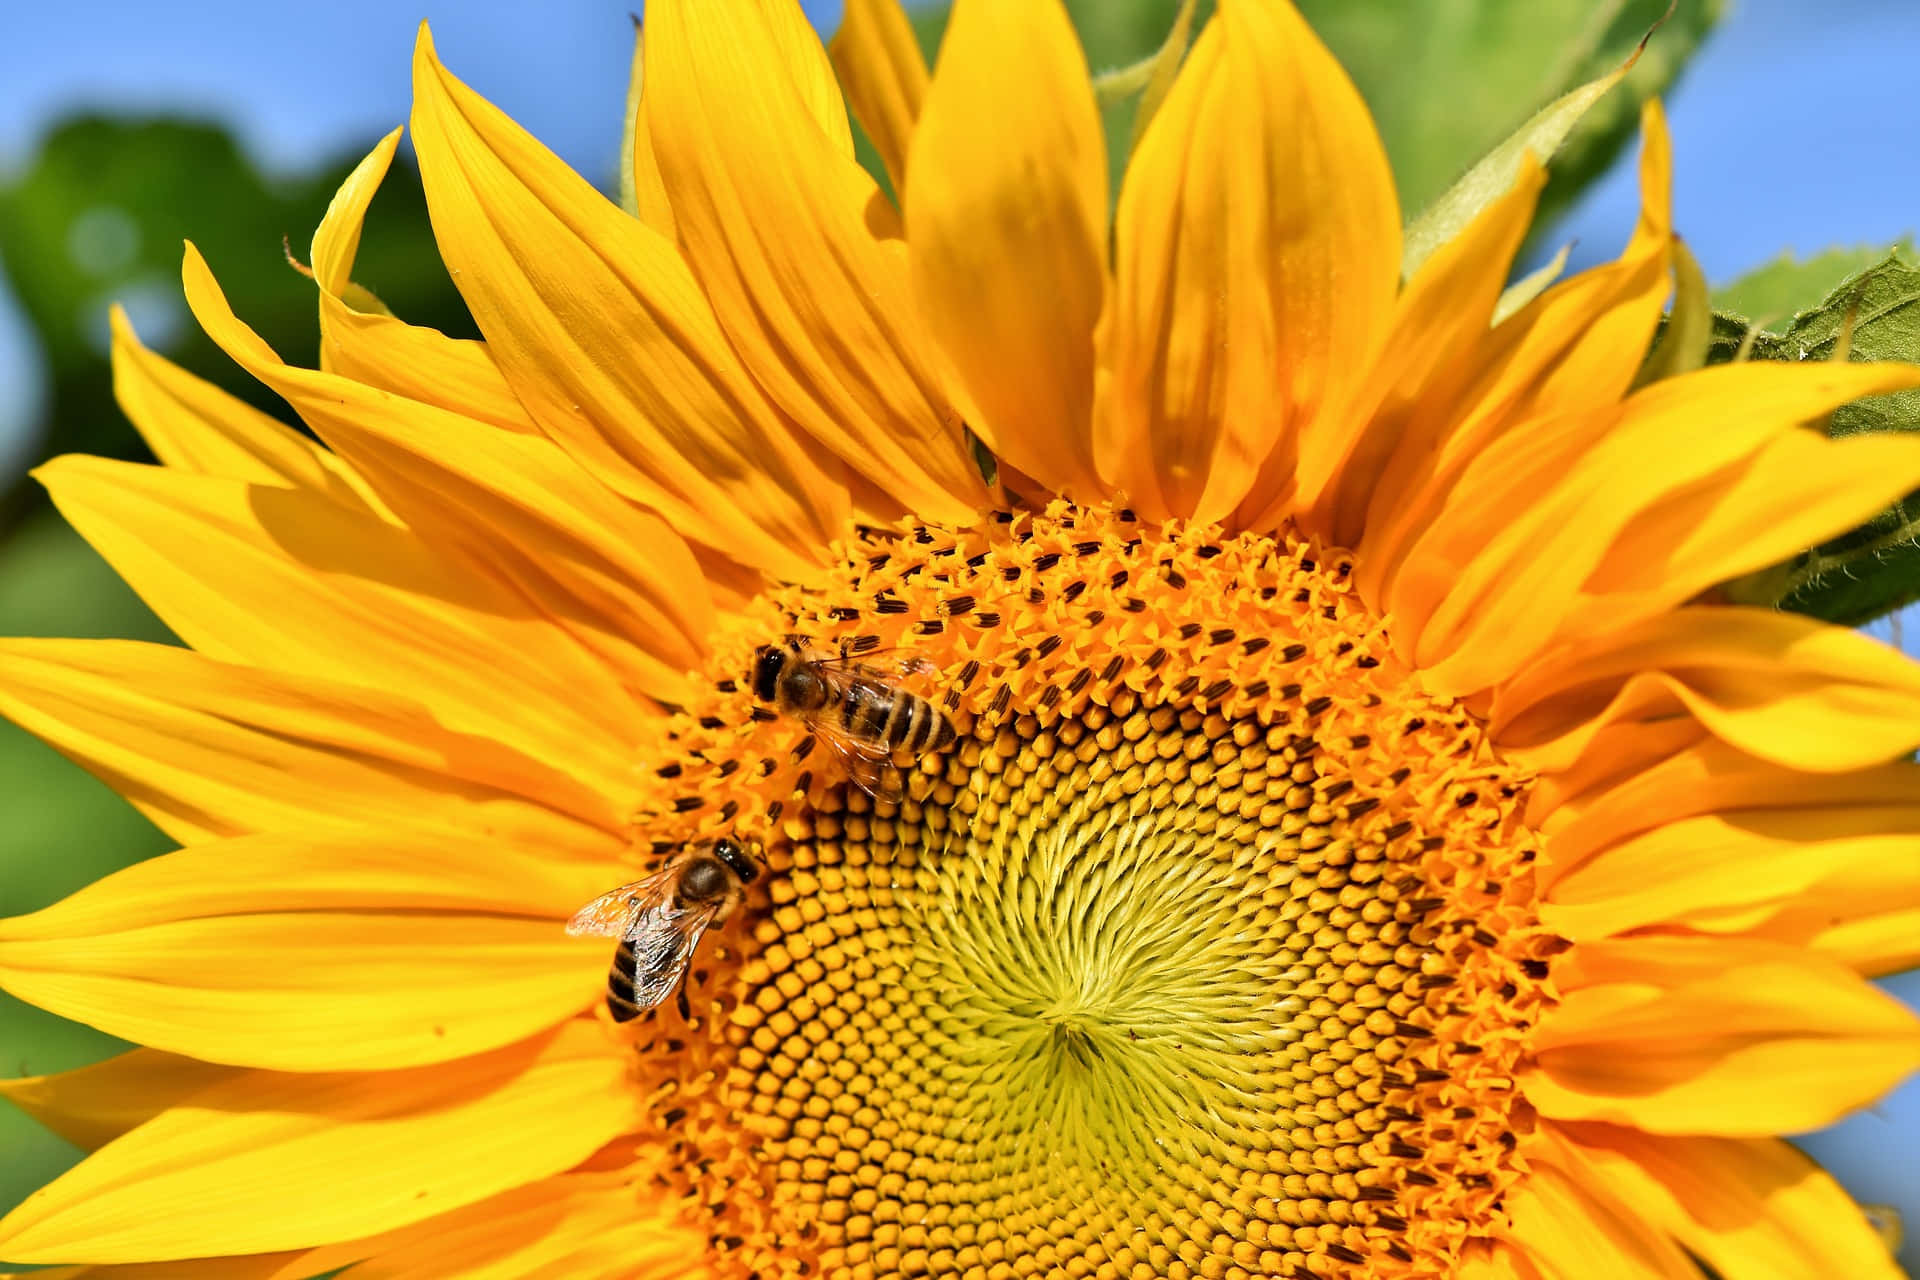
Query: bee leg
[[680, 998]]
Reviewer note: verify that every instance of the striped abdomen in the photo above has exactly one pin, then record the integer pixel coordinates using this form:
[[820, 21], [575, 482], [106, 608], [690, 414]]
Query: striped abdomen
[[623, 1000], [894, 718]]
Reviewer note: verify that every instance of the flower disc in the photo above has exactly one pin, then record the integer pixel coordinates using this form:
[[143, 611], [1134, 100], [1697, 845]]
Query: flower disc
[[1205, 950]]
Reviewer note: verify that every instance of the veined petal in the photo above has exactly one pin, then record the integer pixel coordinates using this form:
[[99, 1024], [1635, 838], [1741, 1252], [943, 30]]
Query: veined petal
[[642, 169], [1714, 1036], [796, 248], [1785, 688], [1610, 321], [1007, 231], [511, 504], [302, 953], [1313, 220], [1703, 775], [377, 348], [1571, 1229], [1484, 592], [1795, 492], [1177, 416], [1439, 326], [528, 1231], [194, 426], [274, 1161], [1722, 870], [604, 336], [1526, 369], [299, 574], [884, 75], [93, 1105], [206, 748], [1753, 1209]]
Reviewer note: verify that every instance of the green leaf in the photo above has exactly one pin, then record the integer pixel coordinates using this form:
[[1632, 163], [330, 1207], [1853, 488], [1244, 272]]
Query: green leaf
[[1874, 569], [64, 829], [1446, 87], [99, 215], [1773, 295]]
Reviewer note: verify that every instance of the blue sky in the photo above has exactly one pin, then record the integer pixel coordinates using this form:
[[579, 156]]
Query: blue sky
[[1794, 128]]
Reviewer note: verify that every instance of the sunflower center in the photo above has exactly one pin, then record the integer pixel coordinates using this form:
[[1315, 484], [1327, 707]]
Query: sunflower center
[[1206, 949]]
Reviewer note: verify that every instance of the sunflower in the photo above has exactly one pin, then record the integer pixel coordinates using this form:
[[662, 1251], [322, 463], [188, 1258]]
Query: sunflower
[[1368, 849]]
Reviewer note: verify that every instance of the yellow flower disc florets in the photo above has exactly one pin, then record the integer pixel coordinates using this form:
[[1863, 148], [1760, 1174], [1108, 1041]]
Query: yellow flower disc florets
[[1207, 950]]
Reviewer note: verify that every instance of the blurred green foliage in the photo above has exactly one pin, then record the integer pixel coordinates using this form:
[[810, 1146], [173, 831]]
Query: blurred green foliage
[[100, 215]]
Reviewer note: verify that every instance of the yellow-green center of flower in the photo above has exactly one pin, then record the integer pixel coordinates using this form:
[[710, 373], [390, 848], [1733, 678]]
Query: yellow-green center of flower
[[1206, 950]]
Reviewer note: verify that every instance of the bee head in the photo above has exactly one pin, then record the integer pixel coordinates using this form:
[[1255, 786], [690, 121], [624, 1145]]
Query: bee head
[[736, 858], [768, 661]]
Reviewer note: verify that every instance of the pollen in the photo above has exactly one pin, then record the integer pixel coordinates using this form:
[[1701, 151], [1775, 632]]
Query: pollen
[[1206, 950]]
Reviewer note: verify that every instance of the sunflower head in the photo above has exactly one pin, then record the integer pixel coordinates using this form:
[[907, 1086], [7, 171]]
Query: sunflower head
[[1241, 770]]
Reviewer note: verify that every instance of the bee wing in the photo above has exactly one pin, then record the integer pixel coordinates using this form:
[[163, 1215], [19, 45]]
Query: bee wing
[[663, 941], [897, 667], [609, 915], [867, 764]]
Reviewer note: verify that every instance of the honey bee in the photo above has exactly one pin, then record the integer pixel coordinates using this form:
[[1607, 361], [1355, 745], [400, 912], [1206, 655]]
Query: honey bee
[[659, 921], [858, 710]]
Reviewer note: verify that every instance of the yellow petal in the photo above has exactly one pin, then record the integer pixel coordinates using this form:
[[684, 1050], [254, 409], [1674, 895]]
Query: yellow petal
[[1569, 1228], [604, 336], [251, 1266], [1779, 686], [1226, 271], [206, 749], [1179, 426], [531, 1230], [1729, 870], [1797, 491], [642, 194], [302, 953], [1755, 1209], [797, 249], [1007, 231], [509, 504], [280, 1161], [92, 1106], [884, 75], [194, 426], [1714, 1036], [1605, 353], [1499, 574], [1439, 326], [1527, 369], [1865, 914], [376, 348], [310, 587], [1701, 776], [1313, 223]]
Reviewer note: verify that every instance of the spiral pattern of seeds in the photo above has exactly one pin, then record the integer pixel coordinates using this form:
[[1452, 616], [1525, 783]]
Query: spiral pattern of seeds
[[1206, 950]]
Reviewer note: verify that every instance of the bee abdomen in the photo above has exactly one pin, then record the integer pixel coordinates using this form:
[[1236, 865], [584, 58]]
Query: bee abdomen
[[940, 731], [622, 992], [867, 713]]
